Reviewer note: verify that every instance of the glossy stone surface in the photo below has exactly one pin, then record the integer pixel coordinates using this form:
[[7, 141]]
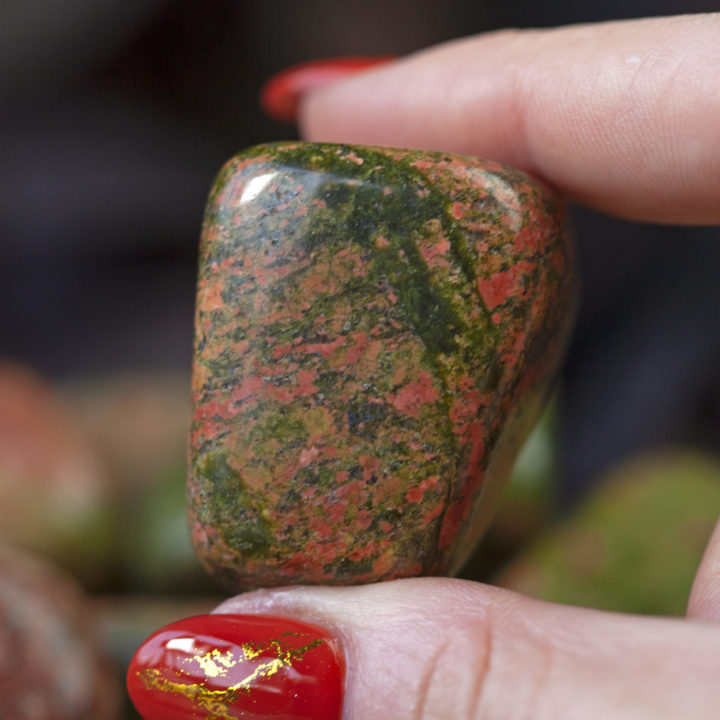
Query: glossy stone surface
[[376, 330]]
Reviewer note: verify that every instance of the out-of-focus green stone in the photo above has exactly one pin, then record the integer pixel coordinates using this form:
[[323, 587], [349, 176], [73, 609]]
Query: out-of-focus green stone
[[634, 544]]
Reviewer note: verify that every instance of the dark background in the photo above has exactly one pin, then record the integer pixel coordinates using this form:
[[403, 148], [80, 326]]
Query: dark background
[[115, 115]]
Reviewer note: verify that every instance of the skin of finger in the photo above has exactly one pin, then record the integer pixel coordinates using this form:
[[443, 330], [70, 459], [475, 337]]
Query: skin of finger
[[705, 596], [443, 649], [622, 116]]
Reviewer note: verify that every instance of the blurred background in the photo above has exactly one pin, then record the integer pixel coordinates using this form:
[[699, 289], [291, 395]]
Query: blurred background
[[114, 118]]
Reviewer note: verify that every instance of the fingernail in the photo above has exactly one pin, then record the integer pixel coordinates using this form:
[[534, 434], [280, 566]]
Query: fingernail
[[281, 94], [222, 667]]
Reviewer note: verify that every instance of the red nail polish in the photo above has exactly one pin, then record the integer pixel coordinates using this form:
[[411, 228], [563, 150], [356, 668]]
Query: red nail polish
[[280, 96], [222, 667]]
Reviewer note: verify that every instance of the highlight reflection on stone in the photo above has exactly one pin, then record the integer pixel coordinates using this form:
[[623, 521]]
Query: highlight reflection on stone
[[376, 330]]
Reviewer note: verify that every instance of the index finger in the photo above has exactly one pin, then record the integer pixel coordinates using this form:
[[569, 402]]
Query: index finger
[[622, 116]]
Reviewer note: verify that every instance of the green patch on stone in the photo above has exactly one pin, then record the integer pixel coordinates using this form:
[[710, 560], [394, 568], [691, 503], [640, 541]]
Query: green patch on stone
[[233, 510], [319, 475], [280, 425], [350, 568], [636, 541], [221, 366], [366, 419], [360, 213]]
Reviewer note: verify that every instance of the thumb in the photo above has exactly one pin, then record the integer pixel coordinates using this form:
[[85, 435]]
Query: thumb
[[444, 649]]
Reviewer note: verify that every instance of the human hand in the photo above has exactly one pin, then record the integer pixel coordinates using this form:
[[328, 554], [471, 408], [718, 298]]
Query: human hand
[[619, 116]]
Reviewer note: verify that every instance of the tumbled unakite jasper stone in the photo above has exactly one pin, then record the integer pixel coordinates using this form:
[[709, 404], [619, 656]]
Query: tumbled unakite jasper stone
[[376, 329]]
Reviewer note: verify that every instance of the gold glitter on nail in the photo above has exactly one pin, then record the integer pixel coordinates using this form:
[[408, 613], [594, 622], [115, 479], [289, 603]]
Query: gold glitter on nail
[[216, 664]]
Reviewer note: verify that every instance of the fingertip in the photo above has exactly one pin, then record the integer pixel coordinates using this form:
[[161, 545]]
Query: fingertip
[[282, 94], [621, 116]]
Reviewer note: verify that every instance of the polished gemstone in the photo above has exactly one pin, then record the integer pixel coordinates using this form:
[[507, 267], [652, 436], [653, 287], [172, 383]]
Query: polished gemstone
[[376, 331]]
